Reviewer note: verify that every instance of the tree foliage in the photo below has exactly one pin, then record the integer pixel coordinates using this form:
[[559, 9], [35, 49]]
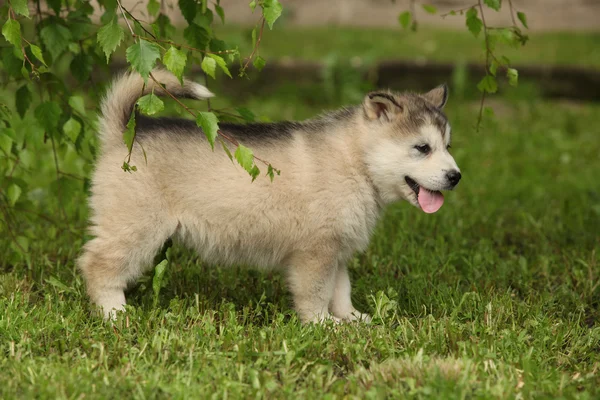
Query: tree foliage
[[476, 24]]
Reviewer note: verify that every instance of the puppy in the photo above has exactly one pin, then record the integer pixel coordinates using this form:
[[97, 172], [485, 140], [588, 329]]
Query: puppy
[[338, 171]]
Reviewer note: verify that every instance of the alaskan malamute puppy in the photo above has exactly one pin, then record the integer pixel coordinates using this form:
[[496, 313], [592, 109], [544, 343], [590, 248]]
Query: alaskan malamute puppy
[[338, 171]]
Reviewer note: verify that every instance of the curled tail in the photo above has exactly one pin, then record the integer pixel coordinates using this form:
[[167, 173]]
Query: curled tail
[[127, 89]]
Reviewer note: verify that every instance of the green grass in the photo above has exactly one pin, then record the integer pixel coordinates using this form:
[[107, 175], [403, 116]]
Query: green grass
[[427, 44], [495, 296]]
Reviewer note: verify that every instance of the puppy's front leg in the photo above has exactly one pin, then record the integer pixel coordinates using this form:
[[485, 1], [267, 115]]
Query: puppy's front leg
[[341, 303], [311, 279]]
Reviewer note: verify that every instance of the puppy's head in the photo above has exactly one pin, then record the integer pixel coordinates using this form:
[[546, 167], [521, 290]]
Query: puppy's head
[[408, 138]]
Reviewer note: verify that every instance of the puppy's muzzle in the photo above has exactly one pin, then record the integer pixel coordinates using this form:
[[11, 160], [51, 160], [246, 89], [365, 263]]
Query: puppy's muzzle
[[453, 177]]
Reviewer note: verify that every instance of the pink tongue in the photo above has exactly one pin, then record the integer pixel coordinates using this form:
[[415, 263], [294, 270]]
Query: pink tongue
[[430, 201]]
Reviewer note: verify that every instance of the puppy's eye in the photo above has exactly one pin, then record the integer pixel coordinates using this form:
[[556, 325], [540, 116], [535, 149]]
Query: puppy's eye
[[423, 148]]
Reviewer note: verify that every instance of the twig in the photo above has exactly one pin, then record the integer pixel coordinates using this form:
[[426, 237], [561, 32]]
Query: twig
[[512, 12], [255, 49], [139, 22], [413, 13], [487, 62], [460, 10], [480, 116], [73, 176], [156, 40], [191, 112], [125, 17]]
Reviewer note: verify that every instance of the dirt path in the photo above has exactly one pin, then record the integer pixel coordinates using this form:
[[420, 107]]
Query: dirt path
[[543, 15]]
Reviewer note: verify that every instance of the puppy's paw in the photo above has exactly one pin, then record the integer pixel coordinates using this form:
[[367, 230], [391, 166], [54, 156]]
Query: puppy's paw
[[354, 315]]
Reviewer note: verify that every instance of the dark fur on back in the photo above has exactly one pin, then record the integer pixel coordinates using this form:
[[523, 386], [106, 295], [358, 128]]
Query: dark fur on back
[[146, 126], [257, 132]]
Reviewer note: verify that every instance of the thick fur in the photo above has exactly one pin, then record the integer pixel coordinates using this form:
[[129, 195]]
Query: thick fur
[[337, 173]]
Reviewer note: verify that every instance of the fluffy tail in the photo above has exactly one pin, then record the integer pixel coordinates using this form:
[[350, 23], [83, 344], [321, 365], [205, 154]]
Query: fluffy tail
[[127, 89]]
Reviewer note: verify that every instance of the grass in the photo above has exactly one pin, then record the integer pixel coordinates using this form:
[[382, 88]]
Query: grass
[[495, 296], [426, 45]]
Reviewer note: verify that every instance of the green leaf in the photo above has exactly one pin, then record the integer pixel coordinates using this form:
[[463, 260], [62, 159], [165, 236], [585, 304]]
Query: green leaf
[[246, 114], [153, 7], [55, 5], [77, 104], [205, 20], [157, 281], [20, 7], [197, 36], [12, 32], [252, 5], [405, 19], [429, 8], [209, 66], [72, 128], [22, 100], [272, 171], [25, 73], [56, 37], [493, 67], [110, 36], [37, 52], [493, 4], [254, 172], [142, 56], [513, 76], [523, 18], [220, 13], [226, 149], [254, 33], [13, 193], [175, 61], [271, 11], [129, 134], [81, 67], [217, 45], [473, 22], [150, 104], [488, 112], [244, 157], [507, 36], [259, 63], [163, 27], [128, 168], [188, 9], [48, 114], [5, 142], [488, 84], [221, 63], [209, 123]]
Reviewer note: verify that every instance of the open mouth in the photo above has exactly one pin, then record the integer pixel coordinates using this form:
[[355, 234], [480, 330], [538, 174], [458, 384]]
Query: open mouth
[[429, 200]]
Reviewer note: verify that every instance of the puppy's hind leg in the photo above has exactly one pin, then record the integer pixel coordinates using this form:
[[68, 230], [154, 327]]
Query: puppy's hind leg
[[115, 258], [311, 281]]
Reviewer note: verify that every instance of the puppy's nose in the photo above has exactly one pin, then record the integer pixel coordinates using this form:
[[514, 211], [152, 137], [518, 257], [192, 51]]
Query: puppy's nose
[[453, 177]]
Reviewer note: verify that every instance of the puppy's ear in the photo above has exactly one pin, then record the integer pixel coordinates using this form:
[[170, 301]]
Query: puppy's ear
[[381, 106], [438, 96]]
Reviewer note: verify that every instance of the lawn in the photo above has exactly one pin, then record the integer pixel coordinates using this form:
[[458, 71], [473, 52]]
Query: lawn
[[495, 296], [426, 45]]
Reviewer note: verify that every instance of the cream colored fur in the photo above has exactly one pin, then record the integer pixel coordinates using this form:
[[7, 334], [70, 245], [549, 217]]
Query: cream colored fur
[[336, 175]]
